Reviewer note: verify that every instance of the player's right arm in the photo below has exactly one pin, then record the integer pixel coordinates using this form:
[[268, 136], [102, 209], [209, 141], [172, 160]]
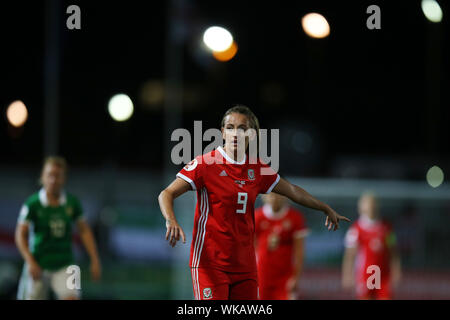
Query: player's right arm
[[21, 238], [165, 199]]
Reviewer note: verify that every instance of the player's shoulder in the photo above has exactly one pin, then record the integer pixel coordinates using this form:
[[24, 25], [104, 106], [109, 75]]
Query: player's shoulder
[[32, 200], [209, 157], [257, 162], [200, 160]]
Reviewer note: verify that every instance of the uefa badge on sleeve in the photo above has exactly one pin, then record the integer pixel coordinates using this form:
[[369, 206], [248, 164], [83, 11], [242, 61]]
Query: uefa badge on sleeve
[[207, 293], [191, 165], [251, 174]]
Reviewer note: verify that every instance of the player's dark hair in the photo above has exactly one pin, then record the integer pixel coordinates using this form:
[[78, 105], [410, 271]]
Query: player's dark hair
[[252, 119]]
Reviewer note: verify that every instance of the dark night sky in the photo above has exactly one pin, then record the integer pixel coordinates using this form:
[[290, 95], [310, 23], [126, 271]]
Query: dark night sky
[[363, 92]]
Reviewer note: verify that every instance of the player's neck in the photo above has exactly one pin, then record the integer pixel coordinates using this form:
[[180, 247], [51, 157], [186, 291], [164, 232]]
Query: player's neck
[[234, 155], [369, 220], [53, 198]]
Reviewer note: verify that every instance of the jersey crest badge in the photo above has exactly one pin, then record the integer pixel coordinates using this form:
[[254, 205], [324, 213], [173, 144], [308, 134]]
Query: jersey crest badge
[[207, 293], [251, 174], [69, 211]]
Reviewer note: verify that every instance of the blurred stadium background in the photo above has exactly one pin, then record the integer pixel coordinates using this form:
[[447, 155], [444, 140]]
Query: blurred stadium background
[[357, 110]]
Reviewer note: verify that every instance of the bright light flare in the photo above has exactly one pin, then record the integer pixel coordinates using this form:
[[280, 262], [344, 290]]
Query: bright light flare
[[435, 176], [315, 25], [217, 39], [432, 10], [120, 107], [17, 113]]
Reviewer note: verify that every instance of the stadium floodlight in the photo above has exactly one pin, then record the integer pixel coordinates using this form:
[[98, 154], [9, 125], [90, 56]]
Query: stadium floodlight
[[315, 25], [120, 107], [432, 10], [217, 39], [17, 113], [435, 176]]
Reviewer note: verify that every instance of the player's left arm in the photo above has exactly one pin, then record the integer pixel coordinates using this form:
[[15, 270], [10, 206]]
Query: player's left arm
[[300, 196], [87, 237]]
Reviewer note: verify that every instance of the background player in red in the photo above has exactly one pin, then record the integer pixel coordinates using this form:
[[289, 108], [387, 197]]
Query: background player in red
[[227, 181], [371, 241], [280, 232]]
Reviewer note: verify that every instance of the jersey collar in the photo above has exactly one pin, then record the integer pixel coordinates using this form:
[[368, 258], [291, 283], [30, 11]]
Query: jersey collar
[[44, 200], [224, 154], [368, 223]]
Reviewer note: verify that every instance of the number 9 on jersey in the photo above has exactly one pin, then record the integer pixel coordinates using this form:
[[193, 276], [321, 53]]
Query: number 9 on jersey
[[242, 200]]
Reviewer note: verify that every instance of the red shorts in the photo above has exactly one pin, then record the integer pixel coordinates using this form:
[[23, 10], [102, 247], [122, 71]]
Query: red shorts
[[214, 284]]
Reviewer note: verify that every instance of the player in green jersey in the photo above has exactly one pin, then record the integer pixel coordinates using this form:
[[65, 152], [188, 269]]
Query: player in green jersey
[[44, 237]]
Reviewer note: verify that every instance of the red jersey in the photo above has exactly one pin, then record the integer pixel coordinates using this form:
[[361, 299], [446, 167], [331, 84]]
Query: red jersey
[[374, 239], [224, 228], [275, 236]]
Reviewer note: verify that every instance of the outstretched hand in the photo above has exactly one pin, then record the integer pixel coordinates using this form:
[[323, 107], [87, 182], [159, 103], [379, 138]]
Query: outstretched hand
[[333, 218], [174, 232]]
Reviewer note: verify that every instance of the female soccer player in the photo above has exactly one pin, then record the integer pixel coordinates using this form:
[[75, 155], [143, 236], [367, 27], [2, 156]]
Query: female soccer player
[[370, 242], [280, 232], [46, 221], [227, 181]]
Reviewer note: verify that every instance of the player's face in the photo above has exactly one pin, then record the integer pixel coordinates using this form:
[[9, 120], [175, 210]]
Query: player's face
[[235, 132], [53, 178], [368, 207]]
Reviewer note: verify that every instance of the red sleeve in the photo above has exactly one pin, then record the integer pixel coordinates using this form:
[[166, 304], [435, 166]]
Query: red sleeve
[[268, 179], [192, 173]]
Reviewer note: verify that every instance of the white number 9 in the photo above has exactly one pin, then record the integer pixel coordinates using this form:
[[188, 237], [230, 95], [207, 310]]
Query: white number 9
[[242, 199]]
